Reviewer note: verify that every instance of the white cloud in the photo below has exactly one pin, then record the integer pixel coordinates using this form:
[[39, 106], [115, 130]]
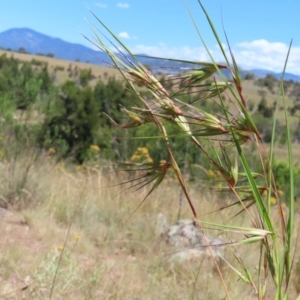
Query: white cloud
[[265, 46], [101, 5], [257, 54], [124, 35], [123, 5], [267, 55]]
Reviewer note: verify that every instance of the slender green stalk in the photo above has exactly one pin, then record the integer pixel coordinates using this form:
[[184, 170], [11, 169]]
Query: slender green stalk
[[290, 224]]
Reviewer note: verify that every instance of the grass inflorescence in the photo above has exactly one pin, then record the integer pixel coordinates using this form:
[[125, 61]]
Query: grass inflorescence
[[221, 139]]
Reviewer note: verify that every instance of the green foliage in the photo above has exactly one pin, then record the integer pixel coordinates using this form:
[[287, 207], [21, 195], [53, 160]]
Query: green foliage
[[110, 96], [281, 171], [85, 76], [251, 105], [59, 68], [47, 82], [296, 135], [22, 50], [36, 62], [249, 76], [21, 83], [295, 92], [268, 82], [7, 107], [72, 123], [264, 126], [74, 116], [75, 120], [264, 109]]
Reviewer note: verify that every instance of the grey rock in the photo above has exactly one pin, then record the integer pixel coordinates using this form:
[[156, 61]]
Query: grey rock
[[188, 240], [4, 213]]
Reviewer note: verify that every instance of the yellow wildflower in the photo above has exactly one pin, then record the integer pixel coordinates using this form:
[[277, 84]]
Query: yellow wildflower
[[51, 151], [273, 200], [149, 160], [144, 150], [95, 148], [211, 173], [280, 192], [141, 154]]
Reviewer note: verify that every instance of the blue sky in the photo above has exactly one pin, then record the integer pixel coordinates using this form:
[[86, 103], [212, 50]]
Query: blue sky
[[259, 32]]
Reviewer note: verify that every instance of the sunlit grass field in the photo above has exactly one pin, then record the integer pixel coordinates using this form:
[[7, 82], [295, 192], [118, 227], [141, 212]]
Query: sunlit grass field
[[62, 73]]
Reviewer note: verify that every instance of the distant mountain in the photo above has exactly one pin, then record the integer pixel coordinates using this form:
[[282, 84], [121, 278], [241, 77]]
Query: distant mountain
[[37, 43], [263, 73], [164, 65]]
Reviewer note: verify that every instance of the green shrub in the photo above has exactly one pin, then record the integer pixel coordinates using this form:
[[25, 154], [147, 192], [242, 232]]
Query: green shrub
[[72, 123]]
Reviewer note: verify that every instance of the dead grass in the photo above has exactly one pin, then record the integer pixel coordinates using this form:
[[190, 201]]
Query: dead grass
[[109, 253]]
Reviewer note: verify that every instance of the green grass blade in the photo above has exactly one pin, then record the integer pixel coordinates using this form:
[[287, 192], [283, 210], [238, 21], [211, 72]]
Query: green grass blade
[[213, 30], [290, 223], [116, 38]]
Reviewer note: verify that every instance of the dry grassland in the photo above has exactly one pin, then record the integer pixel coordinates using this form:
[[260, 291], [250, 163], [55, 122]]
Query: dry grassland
[[100, 72], [106, 251]]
